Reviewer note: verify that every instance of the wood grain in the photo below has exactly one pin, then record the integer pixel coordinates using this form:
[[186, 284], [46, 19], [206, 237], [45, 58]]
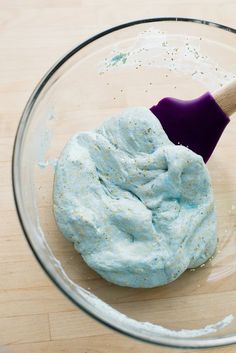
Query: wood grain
[[34, 316], [225, 98]]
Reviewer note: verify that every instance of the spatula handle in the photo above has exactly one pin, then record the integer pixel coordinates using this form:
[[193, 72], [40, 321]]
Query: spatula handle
[[225, 97]]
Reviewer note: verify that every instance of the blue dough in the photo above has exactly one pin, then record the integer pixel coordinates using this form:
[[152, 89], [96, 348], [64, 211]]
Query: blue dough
[[138, 208]]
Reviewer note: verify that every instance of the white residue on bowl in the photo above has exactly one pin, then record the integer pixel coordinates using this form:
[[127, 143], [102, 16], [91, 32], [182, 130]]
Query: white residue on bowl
[[148, 328], [45, 136], [178, 53], [49, 162]]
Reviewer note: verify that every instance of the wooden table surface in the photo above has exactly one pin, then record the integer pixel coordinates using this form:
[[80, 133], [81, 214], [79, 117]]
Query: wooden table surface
[[33, 34]]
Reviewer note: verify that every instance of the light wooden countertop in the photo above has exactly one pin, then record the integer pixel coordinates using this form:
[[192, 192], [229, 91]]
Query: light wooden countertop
[[34, 315]]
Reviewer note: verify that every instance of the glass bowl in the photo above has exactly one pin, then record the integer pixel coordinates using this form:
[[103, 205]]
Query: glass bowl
[[134, 64]]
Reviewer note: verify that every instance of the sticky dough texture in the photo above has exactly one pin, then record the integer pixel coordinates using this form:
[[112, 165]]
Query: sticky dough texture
[[138, 208]]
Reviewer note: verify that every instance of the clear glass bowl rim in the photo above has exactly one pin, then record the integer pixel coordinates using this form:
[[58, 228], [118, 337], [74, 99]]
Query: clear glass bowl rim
[[160, 340]]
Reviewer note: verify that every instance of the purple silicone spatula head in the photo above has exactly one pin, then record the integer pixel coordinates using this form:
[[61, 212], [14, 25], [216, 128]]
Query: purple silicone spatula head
[[198, 123]]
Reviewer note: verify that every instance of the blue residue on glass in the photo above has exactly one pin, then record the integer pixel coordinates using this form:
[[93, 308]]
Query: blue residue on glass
[[45, 164], [119, 58]]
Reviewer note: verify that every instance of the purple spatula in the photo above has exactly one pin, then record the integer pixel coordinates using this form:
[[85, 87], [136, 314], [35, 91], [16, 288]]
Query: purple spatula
[[198, 123]]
